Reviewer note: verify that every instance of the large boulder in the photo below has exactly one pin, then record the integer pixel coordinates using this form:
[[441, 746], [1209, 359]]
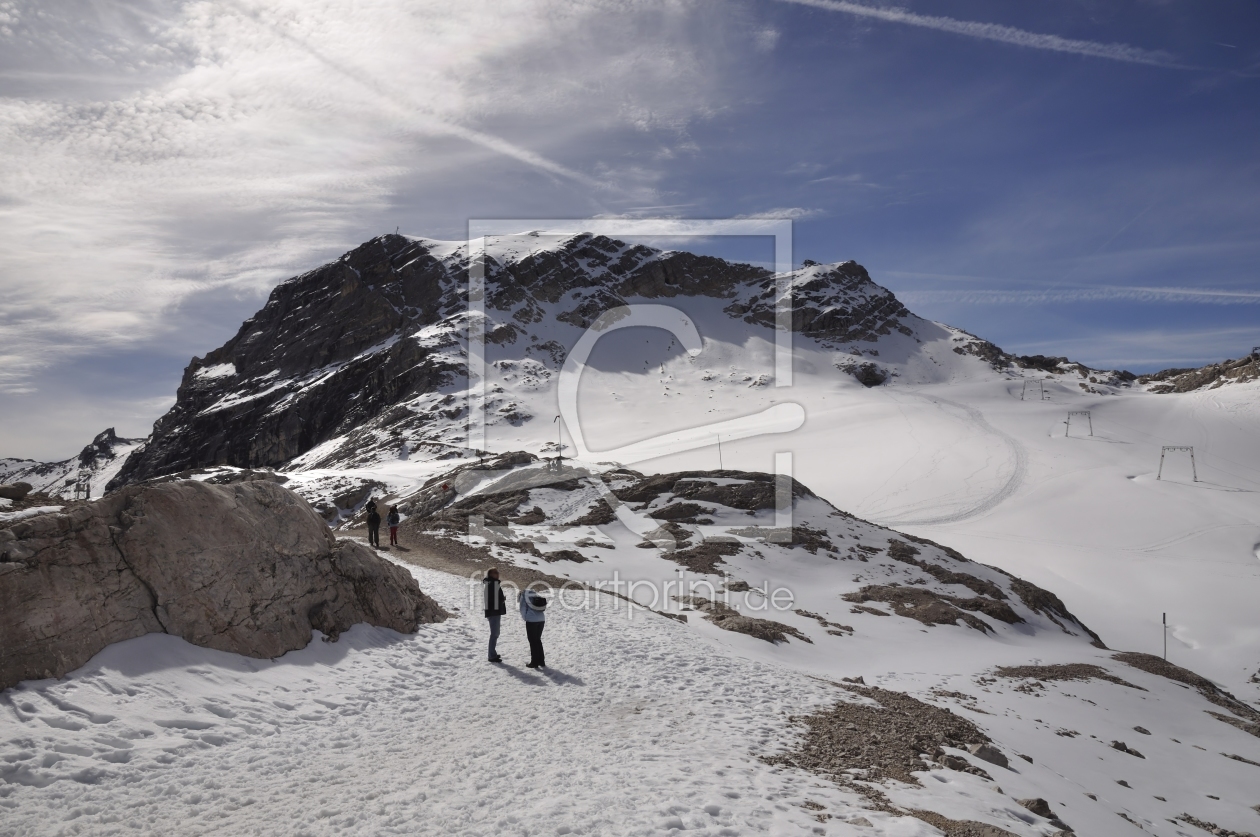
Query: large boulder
[[15, 491], [248, 568]]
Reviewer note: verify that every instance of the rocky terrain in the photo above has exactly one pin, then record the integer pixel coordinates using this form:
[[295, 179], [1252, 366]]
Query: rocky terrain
[[248, 568], [1212, 376], [523, 512]]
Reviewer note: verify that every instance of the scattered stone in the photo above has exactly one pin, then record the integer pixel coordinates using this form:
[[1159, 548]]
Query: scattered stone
[[1042, 808], [1028, 759], [1091, 796], [1142, 730], [987, 752], [1124, 748], [1241, 759], [1161, 799], [1123, 783], [1211, 827], [1038, 806]]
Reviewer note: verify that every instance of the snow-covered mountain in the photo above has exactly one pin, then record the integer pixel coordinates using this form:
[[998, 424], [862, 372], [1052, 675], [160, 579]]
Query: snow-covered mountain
[[95, 466], [954, 519], [350, 361]]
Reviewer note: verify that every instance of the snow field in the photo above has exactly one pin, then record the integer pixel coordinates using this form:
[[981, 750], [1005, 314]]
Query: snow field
[[637, 727]]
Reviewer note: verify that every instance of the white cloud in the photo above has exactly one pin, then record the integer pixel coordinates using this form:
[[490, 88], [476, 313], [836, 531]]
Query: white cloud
[[230, 144], [1000, 33]]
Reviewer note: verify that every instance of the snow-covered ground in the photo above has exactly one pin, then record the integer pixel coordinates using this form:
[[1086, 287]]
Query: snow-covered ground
[[639, 725]]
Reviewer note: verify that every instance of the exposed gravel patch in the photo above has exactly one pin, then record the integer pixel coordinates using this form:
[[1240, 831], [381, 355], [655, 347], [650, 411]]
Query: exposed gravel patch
[[1068, 671], [885, 739], [729, 619]]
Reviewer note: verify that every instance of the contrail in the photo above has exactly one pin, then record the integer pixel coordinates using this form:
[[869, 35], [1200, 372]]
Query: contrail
[[1002, 34], [402, 102]]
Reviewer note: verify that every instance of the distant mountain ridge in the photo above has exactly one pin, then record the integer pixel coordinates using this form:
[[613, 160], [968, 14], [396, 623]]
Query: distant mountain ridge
[[97, 463]]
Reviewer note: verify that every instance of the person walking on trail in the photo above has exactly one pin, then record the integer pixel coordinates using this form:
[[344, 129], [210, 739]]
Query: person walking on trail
[[393, 519], [532, 611], [374, 525], [496, 607]]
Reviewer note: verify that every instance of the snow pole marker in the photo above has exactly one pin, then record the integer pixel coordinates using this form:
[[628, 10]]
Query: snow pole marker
[[720, 466], [1165, 637]]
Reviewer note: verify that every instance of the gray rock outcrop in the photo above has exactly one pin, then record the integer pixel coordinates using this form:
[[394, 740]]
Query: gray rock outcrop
[[248, 568], [15, 491]]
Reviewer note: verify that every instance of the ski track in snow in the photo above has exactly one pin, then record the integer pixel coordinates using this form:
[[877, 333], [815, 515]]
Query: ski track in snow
[[382, 733], [1017, 462]]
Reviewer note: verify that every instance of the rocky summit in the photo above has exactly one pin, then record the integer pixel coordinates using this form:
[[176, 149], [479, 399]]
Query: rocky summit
[[337, 352]]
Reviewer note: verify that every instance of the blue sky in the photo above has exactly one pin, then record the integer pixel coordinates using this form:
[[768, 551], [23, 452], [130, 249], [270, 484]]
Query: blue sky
[[1069, 177]]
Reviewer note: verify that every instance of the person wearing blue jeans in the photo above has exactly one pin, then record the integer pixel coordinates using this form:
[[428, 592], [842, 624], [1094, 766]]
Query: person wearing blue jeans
[[496, 606]]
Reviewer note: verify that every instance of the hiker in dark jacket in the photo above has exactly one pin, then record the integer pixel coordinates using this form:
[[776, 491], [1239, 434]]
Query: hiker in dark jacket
[[393, 520], [532, 605], [374, 525], [496, 606]]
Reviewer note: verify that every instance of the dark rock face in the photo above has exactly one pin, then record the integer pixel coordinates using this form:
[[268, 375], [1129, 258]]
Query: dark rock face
[[247, 568], [836, 303], [299, 371]]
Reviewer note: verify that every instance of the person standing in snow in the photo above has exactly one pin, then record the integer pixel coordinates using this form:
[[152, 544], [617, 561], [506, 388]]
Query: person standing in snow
[[374, 525], [532, 606], [496, 606], [393, 519]]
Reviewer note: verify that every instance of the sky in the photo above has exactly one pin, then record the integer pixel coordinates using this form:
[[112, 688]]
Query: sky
[[1064, 177]]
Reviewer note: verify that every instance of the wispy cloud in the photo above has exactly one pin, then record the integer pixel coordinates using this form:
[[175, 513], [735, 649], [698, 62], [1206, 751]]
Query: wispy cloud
[[1149, 348], [794, 213], [247, 140], [1105, 293], [1001, 33]]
